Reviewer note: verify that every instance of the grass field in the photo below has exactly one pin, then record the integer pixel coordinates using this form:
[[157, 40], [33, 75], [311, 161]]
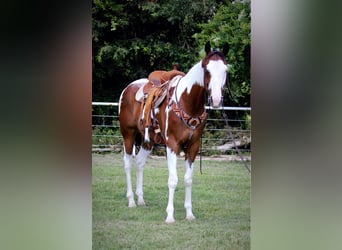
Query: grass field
[[221, 204]]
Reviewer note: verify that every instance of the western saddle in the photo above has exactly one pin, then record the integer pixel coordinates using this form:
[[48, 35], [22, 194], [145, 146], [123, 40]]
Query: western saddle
[[155, 91]]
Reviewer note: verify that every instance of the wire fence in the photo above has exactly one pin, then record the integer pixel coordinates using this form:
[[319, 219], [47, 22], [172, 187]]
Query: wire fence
[[216, 139]]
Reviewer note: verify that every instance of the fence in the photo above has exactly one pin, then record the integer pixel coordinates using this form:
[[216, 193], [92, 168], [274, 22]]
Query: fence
[[216, 139]]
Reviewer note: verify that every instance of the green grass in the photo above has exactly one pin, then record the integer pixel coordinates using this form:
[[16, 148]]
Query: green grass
[[221, 204]]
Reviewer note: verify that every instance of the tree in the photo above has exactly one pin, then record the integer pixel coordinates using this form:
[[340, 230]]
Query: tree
[[131, 38]]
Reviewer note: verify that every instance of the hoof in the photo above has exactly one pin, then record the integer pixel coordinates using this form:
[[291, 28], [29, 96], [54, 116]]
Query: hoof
[[132, 204], [170, 220], [190, 217], [141, 203]]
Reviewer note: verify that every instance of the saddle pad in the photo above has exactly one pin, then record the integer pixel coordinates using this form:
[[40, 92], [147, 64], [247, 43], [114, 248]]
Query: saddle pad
[[140, 92], [174, 81]]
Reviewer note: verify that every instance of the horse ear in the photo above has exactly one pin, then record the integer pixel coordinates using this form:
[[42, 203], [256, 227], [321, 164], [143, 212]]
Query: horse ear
[[225, 49], [207, 47]]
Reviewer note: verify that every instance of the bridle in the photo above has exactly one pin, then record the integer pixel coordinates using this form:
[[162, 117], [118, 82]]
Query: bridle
[[190, 121]]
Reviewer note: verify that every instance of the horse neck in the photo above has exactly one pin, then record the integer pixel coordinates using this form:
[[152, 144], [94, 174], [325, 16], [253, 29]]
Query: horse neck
[[194, 76], [190, 91]]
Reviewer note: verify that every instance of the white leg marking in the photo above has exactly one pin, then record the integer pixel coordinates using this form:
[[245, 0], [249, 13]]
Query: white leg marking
[[147, 136], [172, 183], [128, 159], [134, 154], [189, 168], [141, 160], [167, 122]]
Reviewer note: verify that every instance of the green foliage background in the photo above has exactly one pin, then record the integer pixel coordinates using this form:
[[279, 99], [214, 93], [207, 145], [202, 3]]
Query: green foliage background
[[131, 38]]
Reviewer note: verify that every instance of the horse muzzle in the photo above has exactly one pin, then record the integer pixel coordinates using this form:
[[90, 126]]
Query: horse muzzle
[[215, 102]]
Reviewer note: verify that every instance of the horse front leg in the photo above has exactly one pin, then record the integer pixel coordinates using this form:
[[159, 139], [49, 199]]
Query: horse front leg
[[141, 160], [128, 160], [189, 168], [172, 183]]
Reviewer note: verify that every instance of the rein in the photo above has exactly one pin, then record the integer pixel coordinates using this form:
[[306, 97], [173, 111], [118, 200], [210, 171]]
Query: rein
[[233, 138], [231, 135], [234, 143]]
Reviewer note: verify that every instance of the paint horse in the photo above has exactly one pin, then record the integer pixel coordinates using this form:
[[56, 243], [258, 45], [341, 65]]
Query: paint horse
[[180, 118]]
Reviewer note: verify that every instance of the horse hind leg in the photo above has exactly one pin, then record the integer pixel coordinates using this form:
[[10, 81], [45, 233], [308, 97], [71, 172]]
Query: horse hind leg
[[128, 160], [141, 160]]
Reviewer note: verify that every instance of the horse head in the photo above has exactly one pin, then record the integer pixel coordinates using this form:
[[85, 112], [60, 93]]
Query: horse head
[[215, 73]]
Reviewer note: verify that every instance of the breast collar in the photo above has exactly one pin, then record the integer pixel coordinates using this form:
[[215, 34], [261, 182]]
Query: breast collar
[[190, 121]]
